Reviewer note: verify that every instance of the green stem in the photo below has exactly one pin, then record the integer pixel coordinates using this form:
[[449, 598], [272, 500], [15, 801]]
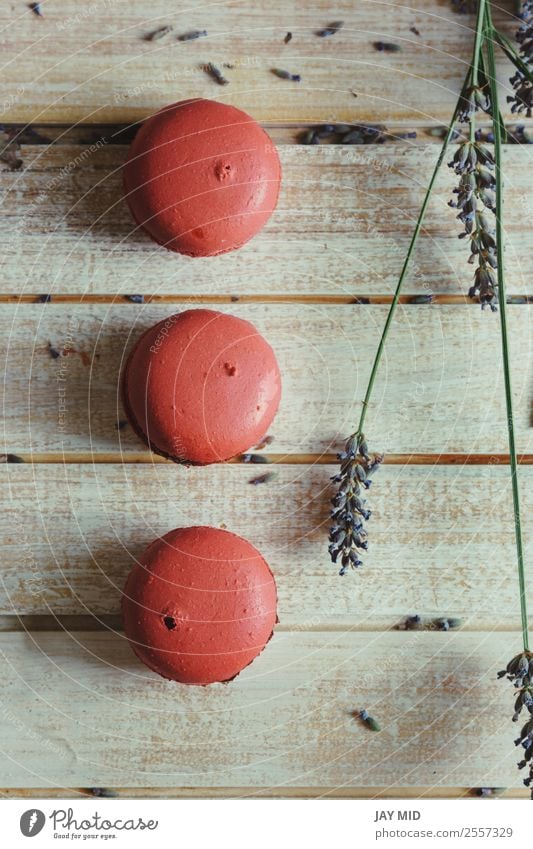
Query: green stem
[[470, 78], [480, 26], [503, 324], [420, 220], [509, 50]]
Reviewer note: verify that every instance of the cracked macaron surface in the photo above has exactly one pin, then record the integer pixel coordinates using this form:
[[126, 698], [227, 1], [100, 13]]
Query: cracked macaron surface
[[201, 386], [199, 605], [202, 177]]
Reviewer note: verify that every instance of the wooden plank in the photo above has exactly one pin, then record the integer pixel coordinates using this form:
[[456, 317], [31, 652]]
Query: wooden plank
[[97, 717], [94, 63], [439, 391], [441, 543], [342, 228]]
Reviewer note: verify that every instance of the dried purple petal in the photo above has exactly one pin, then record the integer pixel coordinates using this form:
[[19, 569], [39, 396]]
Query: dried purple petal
[[262, 478], [288, 38], [158, 33], [194, 34], [9, 151], [331, 29], [386, 46], [286, 75], [216, 74], [254, 458], [368, 720]]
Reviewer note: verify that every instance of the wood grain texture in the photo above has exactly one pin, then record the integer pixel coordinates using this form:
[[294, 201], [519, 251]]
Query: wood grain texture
[[440, 388], [93, 63], [71, 534], [97, 717], [342, 228]]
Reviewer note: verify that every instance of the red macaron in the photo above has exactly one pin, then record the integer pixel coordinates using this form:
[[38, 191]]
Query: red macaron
[[202, 177], [199, 605], [201, 387]]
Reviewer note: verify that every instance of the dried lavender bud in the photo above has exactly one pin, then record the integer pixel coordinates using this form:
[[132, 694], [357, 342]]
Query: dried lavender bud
[[522, 99], [413, 623], [386, 46], [103, 793], [191, 36], [331, 29], [369, 721], [519, 671], [465, 7], [158, 33], [365, 134], [267, 440], [36, 8], [414, 30], [44, 299], [286, 75], [288, 38], [262, 478], [216, 74], [326, 130], [473, 98], [54, 353], [10, 458], [9, 152], [309, 137], [135, 299], [347, 536], [121, 424], [254, 458]]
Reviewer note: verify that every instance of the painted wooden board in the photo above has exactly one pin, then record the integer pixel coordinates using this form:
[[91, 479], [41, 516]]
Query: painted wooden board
[[440, 388], [93, 63], [342, 228], [71, 533], [79, 710]]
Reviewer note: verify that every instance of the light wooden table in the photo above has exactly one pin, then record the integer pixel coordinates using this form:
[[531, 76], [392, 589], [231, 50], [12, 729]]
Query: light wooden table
[[77, 711]]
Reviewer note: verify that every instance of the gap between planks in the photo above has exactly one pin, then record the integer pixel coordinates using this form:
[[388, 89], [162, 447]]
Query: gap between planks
[[257, 793], [422, 299], [146, 457], [78, 622], [281, 133]]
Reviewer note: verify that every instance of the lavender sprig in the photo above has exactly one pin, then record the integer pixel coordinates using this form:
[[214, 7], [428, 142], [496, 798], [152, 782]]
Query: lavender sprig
[[474, 163], [522, 100], [520, 672], [520, 668], [347, 536]]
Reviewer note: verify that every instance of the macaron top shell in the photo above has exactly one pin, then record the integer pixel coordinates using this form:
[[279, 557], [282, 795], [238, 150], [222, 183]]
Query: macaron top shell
[[200, 605], [202, 177], [201, 386]]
